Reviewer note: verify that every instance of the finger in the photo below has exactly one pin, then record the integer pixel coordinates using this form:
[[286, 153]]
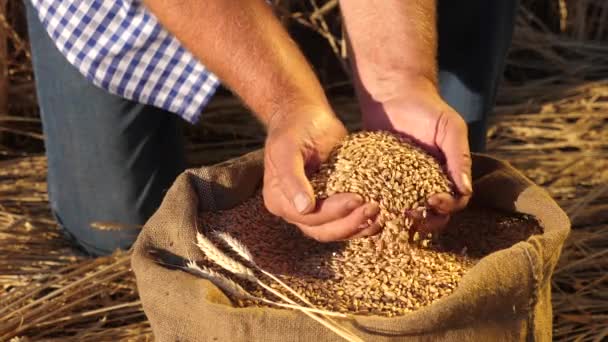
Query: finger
[[369, 230], [345, 227], [444, 203], [287, 166], [453, 142], [333, 208], [327, 210]]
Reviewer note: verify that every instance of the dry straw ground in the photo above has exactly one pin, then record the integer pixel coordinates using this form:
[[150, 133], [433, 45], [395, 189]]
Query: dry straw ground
[[552, 110]]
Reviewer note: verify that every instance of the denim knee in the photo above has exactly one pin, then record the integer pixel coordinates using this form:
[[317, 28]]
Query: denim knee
[[109, 159]]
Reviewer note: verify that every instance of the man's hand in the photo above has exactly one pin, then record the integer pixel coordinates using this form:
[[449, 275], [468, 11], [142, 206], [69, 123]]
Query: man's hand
[[297, 142], [393, 52], [422, 115]]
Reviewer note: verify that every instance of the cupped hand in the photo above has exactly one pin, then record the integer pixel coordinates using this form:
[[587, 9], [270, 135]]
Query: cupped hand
[[419, 112], [297, 143]]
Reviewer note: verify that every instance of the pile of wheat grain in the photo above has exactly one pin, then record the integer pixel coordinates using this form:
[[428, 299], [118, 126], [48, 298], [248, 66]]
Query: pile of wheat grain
[[349, 276], [386, 169], [355, 276]]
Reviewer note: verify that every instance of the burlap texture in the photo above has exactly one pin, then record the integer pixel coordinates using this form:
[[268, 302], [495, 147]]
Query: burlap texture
[[505, 297]]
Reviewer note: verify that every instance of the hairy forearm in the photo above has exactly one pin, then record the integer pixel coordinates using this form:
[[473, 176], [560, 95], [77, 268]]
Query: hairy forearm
[[392, 43], [245, 45]]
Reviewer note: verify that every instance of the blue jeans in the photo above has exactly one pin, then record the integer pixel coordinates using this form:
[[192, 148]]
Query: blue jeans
[[474, 37], [110, 159]]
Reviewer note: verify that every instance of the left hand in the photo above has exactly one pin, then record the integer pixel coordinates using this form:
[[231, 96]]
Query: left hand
[[419, 113], [299, 139]]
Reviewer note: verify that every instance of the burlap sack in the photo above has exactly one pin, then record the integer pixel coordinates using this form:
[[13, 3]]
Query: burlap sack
[[505, 297]]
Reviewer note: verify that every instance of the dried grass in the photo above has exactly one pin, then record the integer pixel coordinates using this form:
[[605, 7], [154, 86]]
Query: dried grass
[[47, 289]]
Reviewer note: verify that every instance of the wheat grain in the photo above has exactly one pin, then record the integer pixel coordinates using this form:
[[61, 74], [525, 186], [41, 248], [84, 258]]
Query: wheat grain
[[347, 277], [386, 169]]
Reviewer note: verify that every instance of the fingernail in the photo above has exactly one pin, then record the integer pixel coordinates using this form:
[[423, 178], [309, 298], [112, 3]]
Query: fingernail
[[301, 202], [354, 203], [371, 211], [466, 181], [363, 226]]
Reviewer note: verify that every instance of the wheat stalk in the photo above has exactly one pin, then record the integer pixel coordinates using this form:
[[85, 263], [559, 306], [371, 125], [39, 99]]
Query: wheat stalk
[[239, 270], [237, 290], [224, 283], [244, 252]]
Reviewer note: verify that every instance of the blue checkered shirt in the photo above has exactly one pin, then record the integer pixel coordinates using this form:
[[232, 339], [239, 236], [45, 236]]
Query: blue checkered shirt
[[121, 47]]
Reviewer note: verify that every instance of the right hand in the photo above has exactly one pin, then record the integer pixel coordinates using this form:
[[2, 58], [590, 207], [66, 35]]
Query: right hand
[[298, 141], [418, 112]]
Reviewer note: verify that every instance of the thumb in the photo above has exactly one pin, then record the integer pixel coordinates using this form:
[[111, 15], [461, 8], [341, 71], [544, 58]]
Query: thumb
[[453, 142], [287, 165]]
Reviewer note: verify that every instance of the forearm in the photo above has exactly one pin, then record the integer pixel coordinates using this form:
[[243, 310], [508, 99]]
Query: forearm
[[245, 45], [393, 43]]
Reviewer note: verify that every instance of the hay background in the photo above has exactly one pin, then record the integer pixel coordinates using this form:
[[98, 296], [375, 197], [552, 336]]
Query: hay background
[[550, 122]]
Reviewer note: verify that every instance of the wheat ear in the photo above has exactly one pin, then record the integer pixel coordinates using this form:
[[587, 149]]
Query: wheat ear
[[230, 286], [224, 283], [239, 270], [236, 246], [223, 260], [244, 252]]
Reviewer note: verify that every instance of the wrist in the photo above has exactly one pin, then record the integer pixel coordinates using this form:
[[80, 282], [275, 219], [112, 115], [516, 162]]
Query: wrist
[[388, 87], [296, 110], [385, 87]]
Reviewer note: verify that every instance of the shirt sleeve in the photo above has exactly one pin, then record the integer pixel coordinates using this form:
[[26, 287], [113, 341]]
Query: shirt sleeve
[[121, 47]]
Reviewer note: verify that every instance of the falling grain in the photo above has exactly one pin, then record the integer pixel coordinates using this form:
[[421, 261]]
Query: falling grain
[[387, 169]]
